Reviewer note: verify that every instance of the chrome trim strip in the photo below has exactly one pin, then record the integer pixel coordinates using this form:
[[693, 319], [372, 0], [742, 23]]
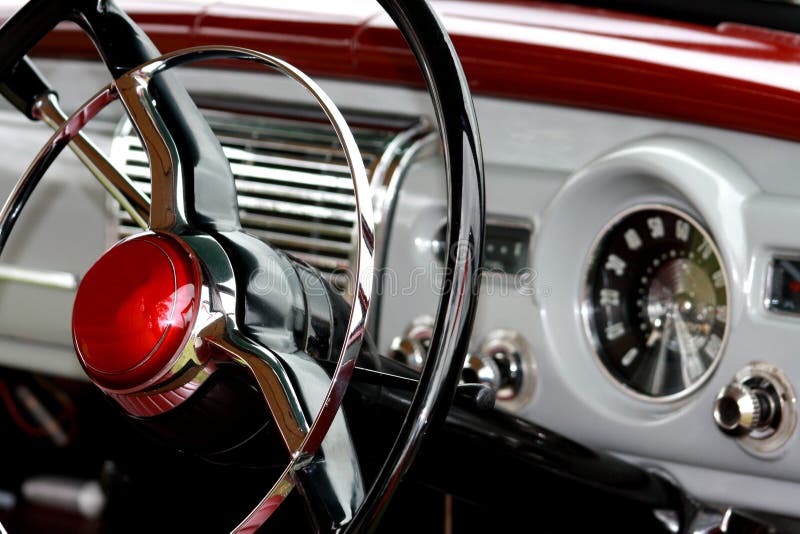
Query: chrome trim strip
[[240, 155], [294, 146], [301, 210], [386, 208], [291, 176], [510, 221], [381, 174], [390, 169], [289, 241], [295, 193], [253, 219], [428, 141], [39, 277]]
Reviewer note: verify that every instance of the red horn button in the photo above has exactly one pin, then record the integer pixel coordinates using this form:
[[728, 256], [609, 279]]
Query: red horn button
[[135, 310]]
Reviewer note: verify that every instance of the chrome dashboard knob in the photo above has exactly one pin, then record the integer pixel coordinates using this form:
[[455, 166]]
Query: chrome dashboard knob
[[740, 409], [480, 368], [412, 347], [503, 362], [758, 408]]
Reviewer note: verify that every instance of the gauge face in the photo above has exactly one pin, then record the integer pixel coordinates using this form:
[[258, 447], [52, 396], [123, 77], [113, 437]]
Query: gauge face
[[783, 293], [656, 302]]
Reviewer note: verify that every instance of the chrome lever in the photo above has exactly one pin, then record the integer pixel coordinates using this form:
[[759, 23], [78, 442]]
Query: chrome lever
[[120, 186]]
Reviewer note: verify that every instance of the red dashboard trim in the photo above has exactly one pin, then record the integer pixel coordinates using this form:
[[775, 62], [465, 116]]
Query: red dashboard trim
[[731, 76]]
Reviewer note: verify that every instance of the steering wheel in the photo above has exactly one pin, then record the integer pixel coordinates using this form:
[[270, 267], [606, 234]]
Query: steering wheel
[[186, 309]]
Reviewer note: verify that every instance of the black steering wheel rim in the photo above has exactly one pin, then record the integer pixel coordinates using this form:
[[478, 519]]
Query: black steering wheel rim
[[109, 27]]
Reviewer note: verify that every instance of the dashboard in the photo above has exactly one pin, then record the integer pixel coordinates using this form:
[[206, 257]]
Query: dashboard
[[612, 166], [637, 267]]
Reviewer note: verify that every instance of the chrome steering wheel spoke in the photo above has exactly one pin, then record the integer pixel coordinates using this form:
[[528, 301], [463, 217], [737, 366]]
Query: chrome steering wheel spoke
[[270, 374], [168, 197], [329, 477], [116, 182]]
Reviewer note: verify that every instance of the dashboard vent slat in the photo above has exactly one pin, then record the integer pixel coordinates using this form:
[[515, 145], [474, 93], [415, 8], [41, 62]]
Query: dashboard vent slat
[[293, 181]]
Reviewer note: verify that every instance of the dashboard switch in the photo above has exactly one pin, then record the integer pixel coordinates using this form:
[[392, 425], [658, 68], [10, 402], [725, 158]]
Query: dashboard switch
[[503, 361], [740, 409], [758, 408], [481, 368], [411, 348]]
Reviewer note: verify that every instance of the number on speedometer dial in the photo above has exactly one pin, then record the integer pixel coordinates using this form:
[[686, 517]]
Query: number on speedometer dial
[[656, 303]]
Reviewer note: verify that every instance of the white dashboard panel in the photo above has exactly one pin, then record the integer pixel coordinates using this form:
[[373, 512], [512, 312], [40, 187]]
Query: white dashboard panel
[[63, 228], [568, 172]]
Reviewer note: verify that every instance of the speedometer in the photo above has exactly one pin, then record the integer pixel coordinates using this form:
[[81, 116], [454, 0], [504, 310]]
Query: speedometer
[[656, 302]]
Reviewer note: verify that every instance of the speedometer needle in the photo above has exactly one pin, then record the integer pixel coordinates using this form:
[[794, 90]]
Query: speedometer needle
[[658, 375], [691, 365], [655, 335]]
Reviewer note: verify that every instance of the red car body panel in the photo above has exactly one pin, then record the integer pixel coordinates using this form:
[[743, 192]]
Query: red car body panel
[[731, 76]]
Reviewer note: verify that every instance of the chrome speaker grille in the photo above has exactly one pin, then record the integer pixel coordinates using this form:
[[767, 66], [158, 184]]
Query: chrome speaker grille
[[293, 183]]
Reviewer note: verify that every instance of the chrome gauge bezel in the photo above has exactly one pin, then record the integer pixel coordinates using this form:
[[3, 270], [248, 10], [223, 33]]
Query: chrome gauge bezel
[[587, 306]]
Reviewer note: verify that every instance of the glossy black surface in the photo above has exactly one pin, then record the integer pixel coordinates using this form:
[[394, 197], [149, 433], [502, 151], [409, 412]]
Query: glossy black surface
[[33, 21], [223, 438], [783, 293], [778, 14], [323, 305], [507, 247], [458, 127], [272, 309], [209, 192], [23, 86], [520, 476]]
